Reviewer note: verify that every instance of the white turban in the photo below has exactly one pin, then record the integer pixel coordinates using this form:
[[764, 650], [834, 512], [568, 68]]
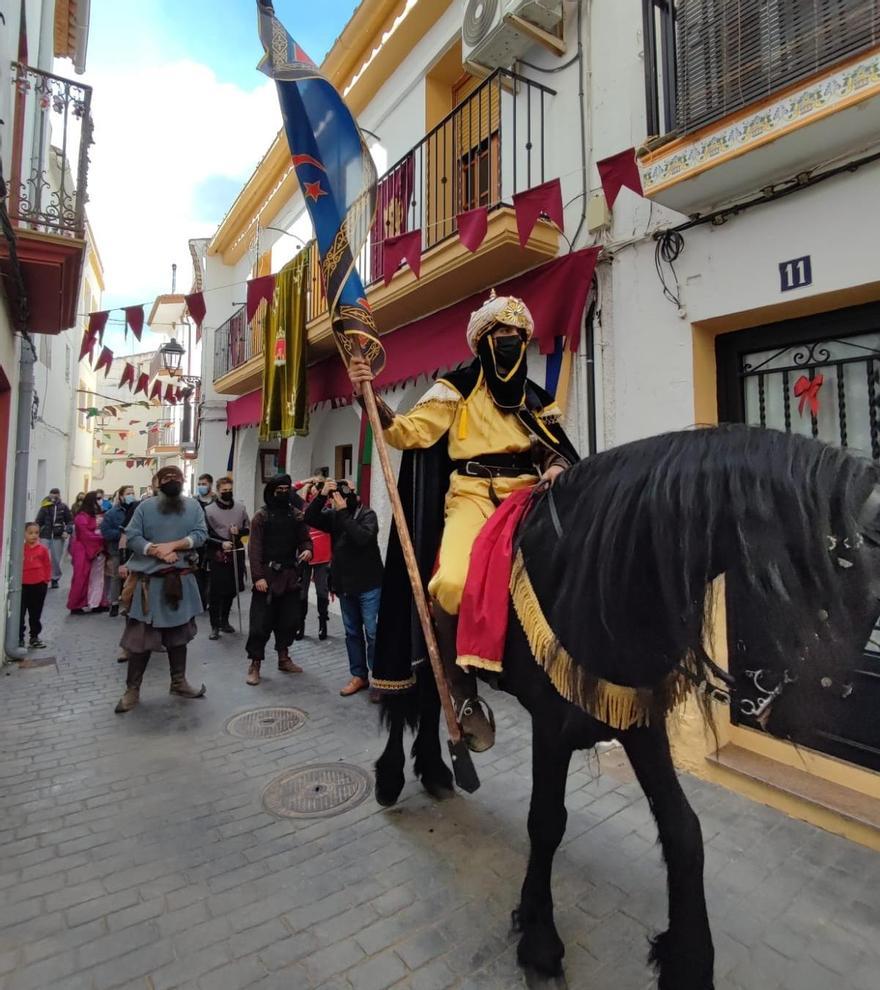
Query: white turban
[[508, 310]]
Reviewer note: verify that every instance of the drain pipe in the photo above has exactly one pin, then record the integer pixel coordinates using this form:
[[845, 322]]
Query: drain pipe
[[19, 497]]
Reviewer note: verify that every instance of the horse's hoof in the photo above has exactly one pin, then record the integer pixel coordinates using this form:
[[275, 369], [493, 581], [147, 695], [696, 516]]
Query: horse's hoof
[[691, 970], [438, 781], [388, 786], [540, 948]]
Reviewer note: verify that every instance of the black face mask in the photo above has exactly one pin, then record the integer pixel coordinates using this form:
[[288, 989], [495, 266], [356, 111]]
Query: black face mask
[[281, 498], [226, 497], [171, 488], [504, 365]]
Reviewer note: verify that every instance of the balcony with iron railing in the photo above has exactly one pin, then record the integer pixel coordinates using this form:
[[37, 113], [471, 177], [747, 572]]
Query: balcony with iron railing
[[491, 146], [163, 438], [51, 133], [740, 96]]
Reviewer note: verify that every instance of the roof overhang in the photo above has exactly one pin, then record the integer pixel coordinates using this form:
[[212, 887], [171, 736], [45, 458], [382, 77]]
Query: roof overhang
[[71, 31]]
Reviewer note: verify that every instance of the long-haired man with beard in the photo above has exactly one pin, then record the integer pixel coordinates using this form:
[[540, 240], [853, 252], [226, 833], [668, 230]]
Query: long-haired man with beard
[[161, 592]]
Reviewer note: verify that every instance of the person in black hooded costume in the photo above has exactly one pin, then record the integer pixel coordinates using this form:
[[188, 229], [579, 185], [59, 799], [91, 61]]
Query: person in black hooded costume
[[279, 543], [478, 435]]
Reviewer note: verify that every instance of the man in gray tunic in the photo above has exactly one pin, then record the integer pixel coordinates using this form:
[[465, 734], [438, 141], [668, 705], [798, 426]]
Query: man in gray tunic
[[161, 592]]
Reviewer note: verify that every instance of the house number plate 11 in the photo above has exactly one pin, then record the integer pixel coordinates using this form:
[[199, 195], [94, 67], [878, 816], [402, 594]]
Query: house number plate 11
[[795, 274]]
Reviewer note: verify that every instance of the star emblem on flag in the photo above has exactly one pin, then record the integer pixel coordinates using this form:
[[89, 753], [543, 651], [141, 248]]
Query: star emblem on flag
[[314, 191]]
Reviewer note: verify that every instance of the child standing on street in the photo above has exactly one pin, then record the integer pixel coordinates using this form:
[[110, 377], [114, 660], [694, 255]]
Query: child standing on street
[[36, 574]]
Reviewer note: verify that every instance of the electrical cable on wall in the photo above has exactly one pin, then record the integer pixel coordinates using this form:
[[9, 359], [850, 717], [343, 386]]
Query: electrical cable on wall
[[669, 245]]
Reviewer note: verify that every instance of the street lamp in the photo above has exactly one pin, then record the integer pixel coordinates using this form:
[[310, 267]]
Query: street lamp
[[172, 354]]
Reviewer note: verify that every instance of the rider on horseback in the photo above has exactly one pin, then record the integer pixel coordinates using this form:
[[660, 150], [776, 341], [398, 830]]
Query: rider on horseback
[[502, 436]]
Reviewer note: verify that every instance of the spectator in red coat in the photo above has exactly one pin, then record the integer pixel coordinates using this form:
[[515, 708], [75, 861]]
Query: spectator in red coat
[[35, 576], [319, 568]]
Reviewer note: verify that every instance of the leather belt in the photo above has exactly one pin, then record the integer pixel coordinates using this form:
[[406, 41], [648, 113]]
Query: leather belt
[[497, 466]]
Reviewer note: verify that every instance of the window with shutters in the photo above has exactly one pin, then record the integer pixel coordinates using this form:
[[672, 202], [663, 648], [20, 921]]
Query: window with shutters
[[706, 59]]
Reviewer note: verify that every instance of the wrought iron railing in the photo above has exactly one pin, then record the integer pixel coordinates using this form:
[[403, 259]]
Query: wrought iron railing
[[491, 146], [51, 136], [162, 436]]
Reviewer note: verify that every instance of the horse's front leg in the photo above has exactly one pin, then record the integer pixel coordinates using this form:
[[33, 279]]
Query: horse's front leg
[[389, 767], [428, 763], [683, 954], [540, 946]]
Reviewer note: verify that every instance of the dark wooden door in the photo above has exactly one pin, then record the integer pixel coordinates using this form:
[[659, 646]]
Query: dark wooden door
[[820, 377]]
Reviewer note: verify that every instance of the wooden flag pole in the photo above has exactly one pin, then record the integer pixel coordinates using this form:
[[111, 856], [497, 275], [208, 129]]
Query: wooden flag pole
[[462, 764]]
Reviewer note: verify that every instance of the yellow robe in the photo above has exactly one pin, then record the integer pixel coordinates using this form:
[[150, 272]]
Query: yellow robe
[[475, 426]]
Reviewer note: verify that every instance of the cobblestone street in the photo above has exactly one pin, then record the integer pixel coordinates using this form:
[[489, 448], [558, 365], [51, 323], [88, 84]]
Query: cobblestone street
[[136, 851]]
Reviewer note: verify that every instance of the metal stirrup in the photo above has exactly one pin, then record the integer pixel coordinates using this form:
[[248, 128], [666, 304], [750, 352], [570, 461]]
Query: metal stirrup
[[470, 705]]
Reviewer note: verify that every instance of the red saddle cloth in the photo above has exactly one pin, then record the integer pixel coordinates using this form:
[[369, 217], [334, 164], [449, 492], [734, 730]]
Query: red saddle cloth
[[482, 618]]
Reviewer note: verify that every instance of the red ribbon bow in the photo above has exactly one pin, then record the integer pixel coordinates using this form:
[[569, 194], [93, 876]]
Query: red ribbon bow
[[807, 390]]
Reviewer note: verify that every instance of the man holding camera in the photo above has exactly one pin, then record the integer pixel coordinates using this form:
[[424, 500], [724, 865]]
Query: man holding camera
[[355, 572], [279, 545]]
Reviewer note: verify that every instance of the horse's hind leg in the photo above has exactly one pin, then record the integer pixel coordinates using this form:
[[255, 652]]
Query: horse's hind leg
[[540, 946], [429, 767], [683, 954]]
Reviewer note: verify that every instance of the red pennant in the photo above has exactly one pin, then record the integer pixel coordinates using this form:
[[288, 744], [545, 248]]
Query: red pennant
[[127, 375], [134, 318], [97, 322], [143, 382], [529, 205], [259, 289], [618, 172], [156, 391], [129, 464], [87, 346], [105, 360], [178, 393], [472, 227], [169, 395], [195, 303], [404, 247]]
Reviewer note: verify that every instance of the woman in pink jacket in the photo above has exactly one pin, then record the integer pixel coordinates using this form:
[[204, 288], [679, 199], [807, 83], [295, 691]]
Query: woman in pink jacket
[[88, 555]]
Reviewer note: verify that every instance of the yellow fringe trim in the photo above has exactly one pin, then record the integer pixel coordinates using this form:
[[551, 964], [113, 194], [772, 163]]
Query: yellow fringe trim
[[467, 660], [393, 685], [616, 705]]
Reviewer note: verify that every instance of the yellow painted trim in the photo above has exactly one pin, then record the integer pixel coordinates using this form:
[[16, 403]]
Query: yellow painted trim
[[773, 135], [360, 48]]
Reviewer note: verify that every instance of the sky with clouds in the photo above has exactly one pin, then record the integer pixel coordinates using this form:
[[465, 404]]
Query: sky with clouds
[[182, 118]]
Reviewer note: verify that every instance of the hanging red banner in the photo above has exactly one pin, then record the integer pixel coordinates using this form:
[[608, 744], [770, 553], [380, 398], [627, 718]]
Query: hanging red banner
[[156, 391], [134, 319], [404, 247], [97, 322], [105, 360], [545, 199], [472, 227], [620, 171], [195, 304], [127, 375], [259, 289], [142, 383], [169, 395], [87, 346]]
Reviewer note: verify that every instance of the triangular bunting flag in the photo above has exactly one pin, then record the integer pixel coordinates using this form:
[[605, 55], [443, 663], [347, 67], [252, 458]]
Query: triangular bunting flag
[[618, 172], [259, 289], [169, 395], [134, 318], [97, 322], [472, 227], [156, 390], [195, 304], [87, 346], [127, 375], [129, 463], [105, 360], [404, 247], [529, 205], [142, 383]]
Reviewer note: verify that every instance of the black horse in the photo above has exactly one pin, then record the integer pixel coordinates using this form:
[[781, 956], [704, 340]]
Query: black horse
[[619, 563]]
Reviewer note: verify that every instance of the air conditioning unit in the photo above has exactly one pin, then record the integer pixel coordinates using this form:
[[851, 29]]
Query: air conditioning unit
[[496, 33]]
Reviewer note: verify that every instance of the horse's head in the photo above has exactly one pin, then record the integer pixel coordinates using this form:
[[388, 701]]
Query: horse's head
[[813, 689]]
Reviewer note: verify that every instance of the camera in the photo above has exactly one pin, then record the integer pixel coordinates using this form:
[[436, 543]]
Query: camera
[[343, 488]]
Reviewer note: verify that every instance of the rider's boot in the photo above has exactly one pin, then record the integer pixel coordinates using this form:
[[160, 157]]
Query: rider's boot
[[477, 725]]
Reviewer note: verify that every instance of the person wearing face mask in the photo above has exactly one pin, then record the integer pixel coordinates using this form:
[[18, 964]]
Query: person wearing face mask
[[205, 497], [161, 596], [113, 530], [227, 522], [355, 573], [56, 522], [498, 433], [278, 546]]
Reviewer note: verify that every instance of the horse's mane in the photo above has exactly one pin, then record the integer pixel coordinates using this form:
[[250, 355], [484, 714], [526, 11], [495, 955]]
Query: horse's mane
[[647, 527]]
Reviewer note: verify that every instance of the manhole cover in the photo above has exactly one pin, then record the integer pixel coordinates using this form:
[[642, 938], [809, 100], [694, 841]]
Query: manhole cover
[[266, 723], [317, 791]]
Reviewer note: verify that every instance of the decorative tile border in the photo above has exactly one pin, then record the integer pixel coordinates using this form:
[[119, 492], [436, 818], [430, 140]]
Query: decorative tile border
[[795, 108]]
